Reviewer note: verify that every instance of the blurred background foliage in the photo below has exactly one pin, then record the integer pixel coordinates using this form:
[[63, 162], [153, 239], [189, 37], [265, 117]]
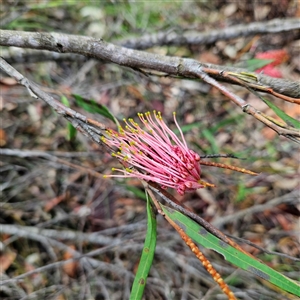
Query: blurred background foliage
[[56, 188]]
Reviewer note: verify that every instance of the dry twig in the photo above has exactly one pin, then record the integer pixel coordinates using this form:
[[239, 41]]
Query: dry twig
[[139, 60], [292, 197], [170, 37]]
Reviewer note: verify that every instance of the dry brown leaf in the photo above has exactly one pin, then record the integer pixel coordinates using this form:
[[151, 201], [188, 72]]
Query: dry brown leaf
[[287, 183], [209, 57], [268, 133], [60, 297], [230, 9], [292, 110], [70, 268], [53, 202], [134, 91], [6, 259], [284, 223], [8, 81], [3, 138]]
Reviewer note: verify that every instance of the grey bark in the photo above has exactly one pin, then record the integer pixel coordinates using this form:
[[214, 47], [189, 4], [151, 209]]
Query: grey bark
[[99, 49], [202, 38]]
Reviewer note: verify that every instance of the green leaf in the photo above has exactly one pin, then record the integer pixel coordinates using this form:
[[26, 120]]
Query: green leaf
[[281, 114], [234, 256], [136, 191], [51, 4], [256, 63], [211, 139], [147, 256], [234, 120], [71, 132], [71, 129], [93, 107], [188, 127], [243, 192]]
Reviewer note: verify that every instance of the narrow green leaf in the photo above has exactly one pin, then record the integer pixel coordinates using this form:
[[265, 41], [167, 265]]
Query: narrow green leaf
[[234, 120], [242, 192], [51, 4], [147, 256], [71, 129], [256, 63], [93, 107], [281, 114], [136, 191], [71, 132], [188, 127], [234, 256], [210, 137]]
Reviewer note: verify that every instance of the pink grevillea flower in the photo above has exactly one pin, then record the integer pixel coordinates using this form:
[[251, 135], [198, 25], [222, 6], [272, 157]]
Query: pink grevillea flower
[[156, 154]]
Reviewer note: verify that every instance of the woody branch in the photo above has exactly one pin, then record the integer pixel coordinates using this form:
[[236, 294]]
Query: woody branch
[[99, 49]]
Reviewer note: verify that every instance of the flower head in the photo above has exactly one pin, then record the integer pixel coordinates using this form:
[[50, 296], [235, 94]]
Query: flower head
[[156, 154]]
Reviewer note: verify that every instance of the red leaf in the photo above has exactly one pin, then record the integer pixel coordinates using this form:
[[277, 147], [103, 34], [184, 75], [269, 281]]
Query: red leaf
[[270, 71], [279, 56]]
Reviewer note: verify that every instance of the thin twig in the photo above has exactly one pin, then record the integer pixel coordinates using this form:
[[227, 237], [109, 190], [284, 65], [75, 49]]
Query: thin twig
[[89, 127], [287, 132], [52, 158], [171, 38], [46, 154], [292, 197], [230, 155], [241, 240], [66, 235], [78, 256]]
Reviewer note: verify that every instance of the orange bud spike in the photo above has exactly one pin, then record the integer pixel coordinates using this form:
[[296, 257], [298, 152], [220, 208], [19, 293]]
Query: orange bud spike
[[205, 262], [206, 184], [233, 168]]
